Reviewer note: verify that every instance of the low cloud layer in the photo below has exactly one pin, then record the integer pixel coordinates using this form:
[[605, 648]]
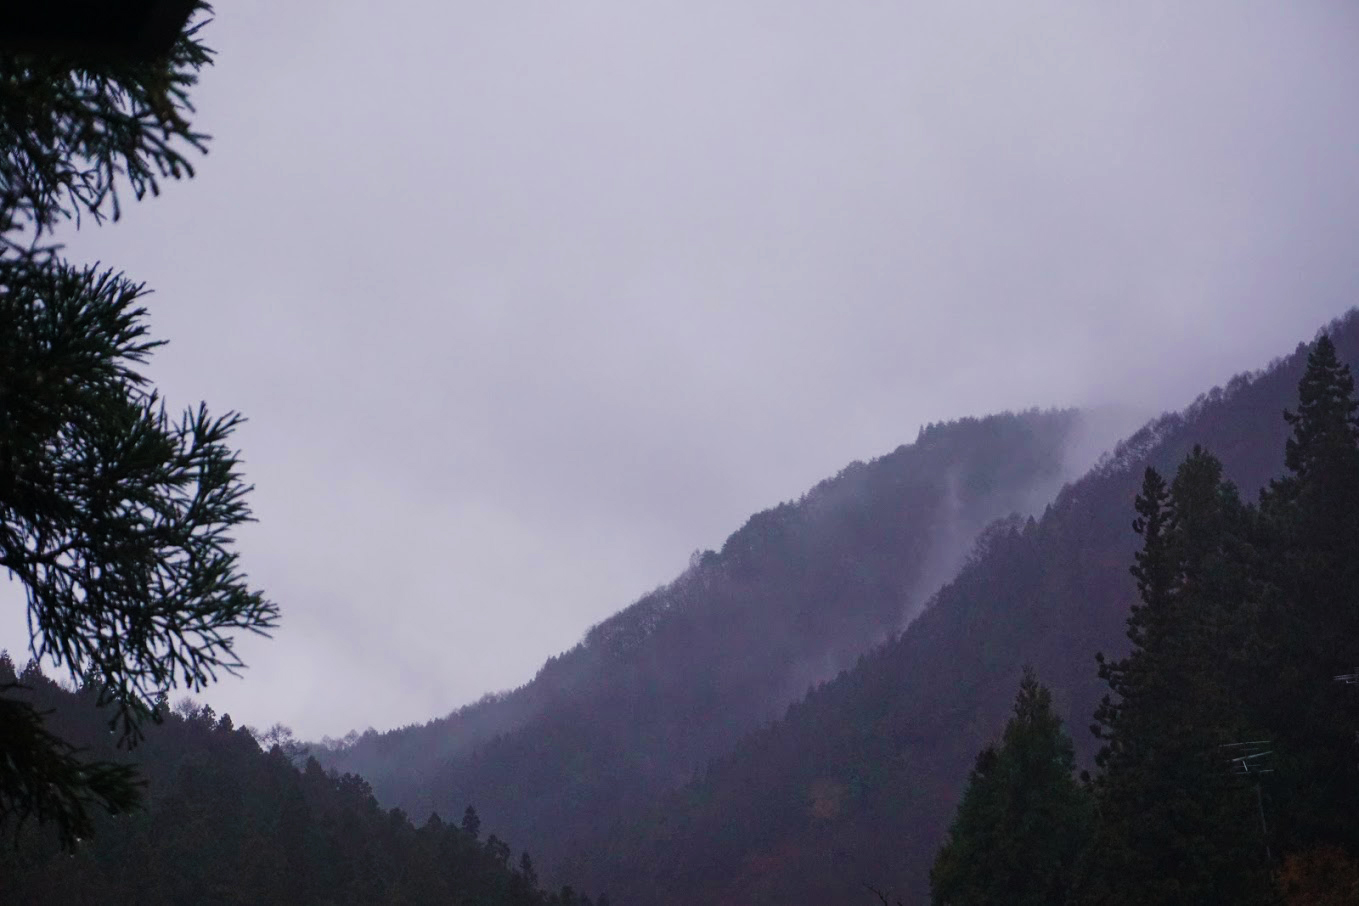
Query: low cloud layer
[[527, 301]]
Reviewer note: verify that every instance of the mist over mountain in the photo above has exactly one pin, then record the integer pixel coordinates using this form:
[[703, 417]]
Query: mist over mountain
[[856, 784], [796, 595]]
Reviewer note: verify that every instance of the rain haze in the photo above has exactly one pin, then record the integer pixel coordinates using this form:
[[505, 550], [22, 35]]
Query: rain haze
[[526, 302]]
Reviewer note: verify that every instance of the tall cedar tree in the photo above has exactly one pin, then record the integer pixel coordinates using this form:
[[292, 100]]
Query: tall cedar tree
[[1175, 824], [1023, 818], [115, 517], [1310, 630]]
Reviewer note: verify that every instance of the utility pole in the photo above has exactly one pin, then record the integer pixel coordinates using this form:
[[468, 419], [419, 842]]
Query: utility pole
[[1251, 759]]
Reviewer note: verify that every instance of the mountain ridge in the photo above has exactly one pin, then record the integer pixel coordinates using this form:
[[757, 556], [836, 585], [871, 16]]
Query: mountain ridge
[[793, 596], [857, 782]]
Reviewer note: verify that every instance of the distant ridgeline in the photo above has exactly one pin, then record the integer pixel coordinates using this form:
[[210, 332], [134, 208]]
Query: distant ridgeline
[[763, 729], [857, 783], [228, 823], [652, 694]]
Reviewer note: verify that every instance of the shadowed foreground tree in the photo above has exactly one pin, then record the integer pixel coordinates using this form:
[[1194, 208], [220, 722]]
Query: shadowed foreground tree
[[1310, 633], [1023, 818], [1176, 825], [76, 129], [126, 30], [115, 517], [1247, 621]]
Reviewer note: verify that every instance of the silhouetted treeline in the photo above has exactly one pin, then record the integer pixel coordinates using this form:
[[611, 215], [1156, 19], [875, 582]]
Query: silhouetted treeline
[[228, 823]]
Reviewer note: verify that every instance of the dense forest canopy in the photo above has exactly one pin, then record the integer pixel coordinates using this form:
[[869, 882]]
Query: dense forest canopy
[[226, 820]]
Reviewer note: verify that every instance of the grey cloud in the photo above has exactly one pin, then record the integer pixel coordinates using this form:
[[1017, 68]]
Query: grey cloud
[[527, 301]]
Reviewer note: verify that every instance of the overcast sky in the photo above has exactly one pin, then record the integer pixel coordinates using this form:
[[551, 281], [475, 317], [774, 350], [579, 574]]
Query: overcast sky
[[527, 301]]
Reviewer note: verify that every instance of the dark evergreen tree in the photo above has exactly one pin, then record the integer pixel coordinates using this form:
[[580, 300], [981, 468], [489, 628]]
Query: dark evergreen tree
[[79, 127], [1176, 826], [471, 824], [115, 518], [527, 870], [1310, 630], [1023, 818]]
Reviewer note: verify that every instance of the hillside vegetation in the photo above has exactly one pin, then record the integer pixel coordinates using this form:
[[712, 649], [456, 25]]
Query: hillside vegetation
[[793, 597], [859, 780]]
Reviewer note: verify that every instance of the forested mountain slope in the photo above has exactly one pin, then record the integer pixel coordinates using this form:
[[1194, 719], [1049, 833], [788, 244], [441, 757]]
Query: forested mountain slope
[[224, 822], [653, 693], [857, 783]]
